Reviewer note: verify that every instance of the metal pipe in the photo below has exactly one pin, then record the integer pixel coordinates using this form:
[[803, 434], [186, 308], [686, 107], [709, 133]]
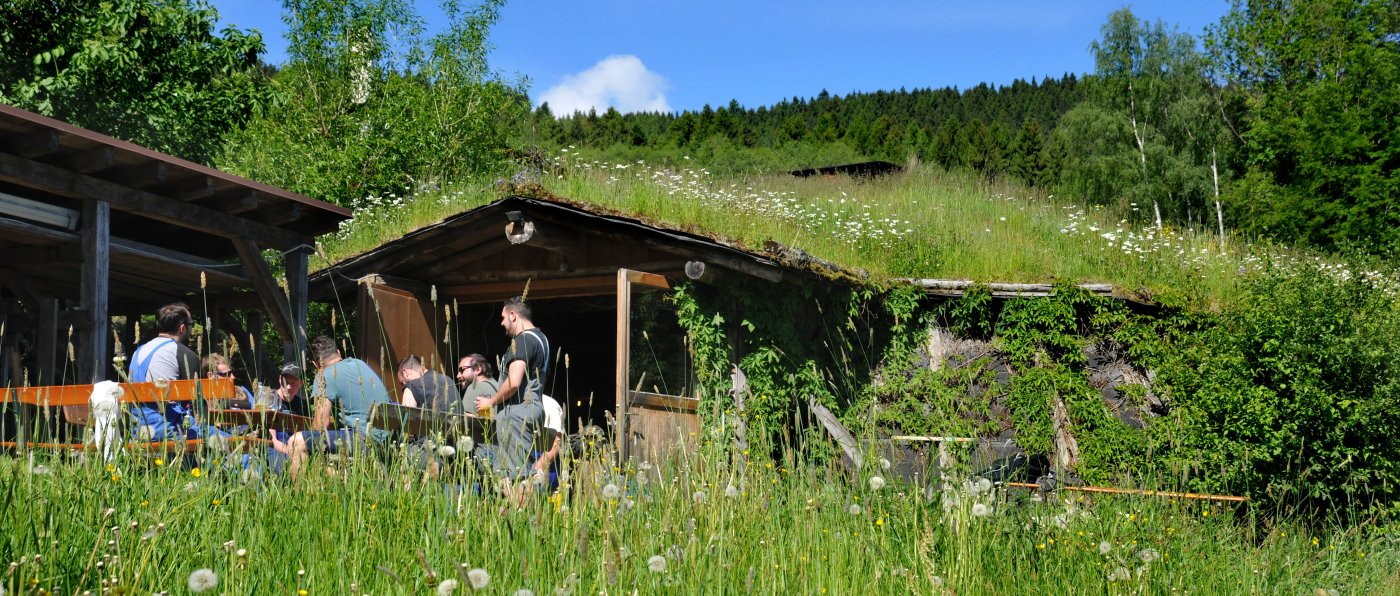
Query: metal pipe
[[1134, 491]]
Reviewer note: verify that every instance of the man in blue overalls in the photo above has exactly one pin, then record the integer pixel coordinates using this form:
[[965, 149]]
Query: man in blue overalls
[[167, 358]]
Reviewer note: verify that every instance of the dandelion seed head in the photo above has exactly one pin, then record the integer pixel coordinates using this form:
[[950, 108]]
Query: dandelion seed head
[[876, 483], [446, 451], [656, 564], [479, 578], [981, 510], [700, 497], [448, 586], [731, 491], [203, 580], [611, 491], [854, 509], [1105, 547]]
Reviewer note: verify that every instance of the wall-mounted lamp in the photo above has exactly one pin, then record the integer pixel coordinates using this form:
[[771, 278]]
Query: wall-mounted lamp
[[43, 213]]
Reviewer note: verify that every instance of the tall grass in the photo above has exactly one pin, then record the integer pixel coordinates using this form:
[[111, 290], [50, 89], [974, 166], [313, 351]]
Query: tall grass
[[145, 524]]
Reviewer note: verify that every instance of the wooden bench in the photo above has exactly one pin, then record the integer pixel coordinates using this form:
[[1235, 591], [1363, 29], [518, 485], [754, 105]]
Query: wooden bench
[[73, 399]]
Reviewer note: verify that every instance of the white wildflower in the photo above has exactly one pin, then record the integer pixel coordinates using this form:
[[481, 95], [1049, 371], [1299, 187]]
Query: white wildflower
[[611, 491], [203, 580], [656, 564], [446, 451], [981, 510], [1120, 574], [884, 464], [479, 578], [1105, 547], [984, 485], [448, 586], [39, 469], [876, 483]]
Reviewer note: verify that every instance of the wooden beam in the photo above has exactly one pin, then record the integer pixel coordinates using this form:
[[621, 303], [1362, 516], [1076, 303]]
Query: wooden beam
[[297, 265], [144, 175], [38, 144], [958, 287], [622, 287], [189, 189], [94, 289], [569, 287], [56, 180], [47, 358], [121, 248], [92, 160], [237, 202], [280, 215], [271, 294]]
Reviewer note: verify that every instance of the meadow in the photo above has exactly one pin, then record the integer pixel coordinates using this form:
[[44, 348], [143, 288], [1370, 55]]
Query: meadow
[[715, 522]]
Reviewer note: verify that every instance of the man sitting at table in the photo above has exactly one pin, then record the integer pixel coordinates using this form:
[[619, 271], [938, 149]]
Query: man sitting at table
[[289, 391], [426, 388], [347, 388], [475, 375], [167, 358]]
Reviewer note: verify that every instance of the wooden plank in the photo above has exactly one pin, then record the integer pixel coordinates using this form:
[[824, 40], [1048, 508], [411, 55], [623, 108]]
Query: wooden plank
[[624, 349], [47, 358], [94, 289], [553, 238], [271, 294], [417, 422], [189, 189], [144, 175], [236, 202], [850, 450], [92, 160], [296, 269], [659, 400], [261, 420], [149, 392], [567, 287], [37, 144], [56, 180], [280, 215], [648, 279], [396, 323]]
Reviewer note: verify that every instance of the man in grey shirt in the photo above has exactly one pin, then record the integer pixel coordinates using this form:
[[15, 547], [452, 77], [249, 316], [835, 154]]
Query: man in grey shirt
[[166, 358], [475, 378]]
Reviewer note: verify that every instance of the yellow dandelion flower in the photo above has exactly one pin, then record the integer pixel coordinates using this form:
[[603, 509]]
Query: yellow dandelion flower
[[217, 502], [111, 468], [1052, 541], [115, 478], [159, 462], [301, 592], [196, 473], [880, 522], [1040, 546], [1081, 532], [1314, 540], [145, 502]]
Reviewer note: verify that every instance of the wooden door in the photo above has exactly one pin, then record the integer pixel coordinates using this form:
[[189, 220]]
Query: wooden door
[[657, 408], [397, 318]]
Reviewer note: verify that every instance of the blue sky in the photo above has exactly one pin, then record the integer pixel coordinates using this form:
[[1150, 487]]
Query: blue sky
[[682, 54]]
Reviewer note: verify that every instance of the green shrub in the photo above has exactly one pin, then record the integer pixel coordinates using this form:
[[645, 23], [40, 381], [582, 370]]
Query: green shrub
[[1291, 396]]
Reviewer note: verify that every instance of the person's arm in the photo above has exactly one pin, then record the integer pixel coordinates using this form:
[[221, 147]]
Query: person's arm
[[515, 377], [408, 398]]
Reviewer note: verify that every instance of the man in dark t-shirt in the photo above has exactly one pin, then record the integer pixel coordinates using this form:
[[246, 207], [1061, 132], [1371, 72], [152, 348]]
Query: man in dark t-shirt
[[426, 388], [519, 413]]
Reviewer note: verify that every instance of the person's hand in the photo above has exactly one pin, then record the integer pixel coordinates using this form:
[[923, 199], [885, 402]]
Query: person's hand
[[483, 403]]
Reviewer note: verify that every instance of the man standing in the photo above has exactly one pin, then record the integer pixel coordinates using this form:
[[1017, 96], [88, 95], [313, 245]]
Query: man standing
[[426, 388], [347, 388], [519, 413], [474, 376], [166, 358]]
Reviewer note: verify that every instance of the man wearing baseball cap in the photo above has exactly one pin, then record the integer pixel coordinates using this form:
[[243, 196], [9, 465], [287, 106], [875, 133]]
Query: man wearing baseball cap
[[290, 397]]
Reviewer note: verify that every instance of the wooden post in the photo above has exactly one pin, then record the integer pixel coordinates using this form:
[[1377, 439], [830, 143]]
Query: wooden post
[[624, 337], [46, 360], [96, 240], [296, 294]]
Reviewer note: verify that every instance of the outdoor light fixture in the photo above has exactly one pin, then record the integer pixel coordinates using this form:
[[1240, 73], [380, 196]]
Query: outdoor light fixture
[[43, 213]]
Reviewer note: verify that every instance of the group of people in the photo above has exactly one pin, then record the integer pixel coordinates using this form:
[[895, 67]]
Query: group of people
[[345, 392]]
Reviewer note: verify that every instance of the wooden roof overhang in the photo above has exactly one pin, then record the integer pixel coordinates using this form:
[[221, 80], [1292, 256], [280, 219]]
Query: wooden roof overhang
[[84, 215], [562, 248]]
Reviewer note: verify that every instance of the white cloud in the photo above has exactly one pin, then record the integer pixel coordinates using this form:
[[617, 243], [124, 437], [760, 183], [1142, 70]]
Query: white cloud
[[620, 81]]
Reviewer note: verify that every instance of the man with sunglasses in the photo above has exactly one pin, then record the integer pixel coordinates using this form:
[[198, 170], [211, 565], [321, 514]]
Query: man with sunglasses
[[216, 367], [475, 379]]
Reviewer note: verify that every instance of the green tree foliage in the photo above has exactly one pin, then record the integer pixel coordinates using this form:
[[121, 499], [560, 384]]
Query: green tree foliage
[[1320, 82], [1293, 393], [1145, 133], [151, 72], [888, 125], [372, 106]]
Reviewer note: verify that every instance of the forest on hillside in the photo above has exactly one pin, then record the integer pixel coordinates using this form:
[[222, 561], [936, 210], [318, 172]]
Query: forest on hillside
[[1277, 121]]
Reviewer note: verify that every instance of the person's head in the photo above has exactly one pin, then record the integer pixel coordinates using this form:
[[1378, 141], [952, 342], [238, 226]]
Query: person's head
[[324, 350], [175, 320], [472, 367], [516, 316], [410, 368], [216, 366], [289, 376]]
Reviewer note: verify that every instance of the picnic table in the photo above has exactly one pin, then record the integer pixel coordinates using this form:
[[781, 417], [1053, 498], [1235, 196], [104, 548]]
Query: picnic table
[[260, 420], [417, 422]]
